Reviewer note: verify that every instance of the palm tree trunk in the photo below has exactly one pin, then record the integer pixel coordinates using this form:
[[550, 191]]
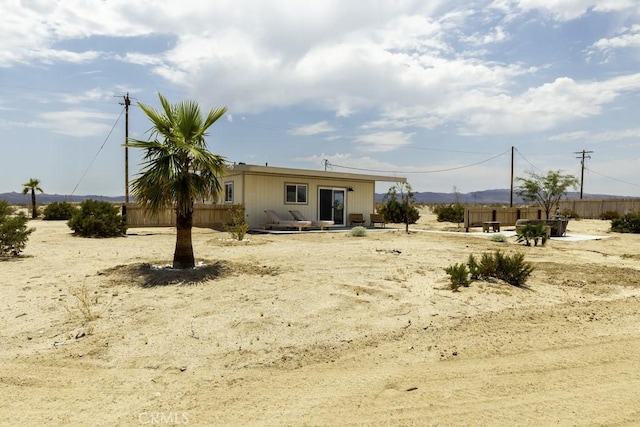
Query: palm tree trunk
[[34, 214], [183, 255]]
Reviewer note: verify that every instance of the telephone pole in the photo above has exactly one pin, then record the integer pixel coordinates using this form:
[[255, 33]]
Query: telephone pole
[[127, 102], [511, 192], [582, 157]]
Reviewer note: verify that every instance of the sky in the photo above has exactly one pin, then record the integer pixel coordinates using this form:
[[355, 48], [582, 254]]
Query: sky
[[436, 91]]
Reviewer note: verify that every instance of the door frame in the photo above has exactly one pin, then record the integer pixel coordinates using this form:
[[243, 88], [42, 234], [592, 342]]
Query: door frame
[[333, 190]]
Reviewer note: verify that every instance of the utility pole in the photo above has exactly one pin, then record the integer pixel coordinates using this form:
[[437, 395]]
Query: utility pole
[[582, 157], [511, 192], [127, 102]]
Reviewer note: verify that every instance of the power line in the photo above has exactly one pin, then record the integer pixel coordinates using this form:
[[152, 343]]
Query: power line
[[420, 172], [527, 160], [99, 150], [615, 179]]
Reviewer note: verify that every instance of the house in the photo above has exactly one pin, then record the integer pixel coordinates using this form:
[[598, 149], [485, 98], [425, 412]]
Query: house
[[318, 195]]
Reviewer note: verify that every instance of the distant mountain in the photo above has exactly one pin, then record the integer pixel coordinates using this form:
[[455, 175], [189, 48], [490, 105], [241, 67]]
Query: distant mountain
[[485, 197], [18, 198], [497, 196]]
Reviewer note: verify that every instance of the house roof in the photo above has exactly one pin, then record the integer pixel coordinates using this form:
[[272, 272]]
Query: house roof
[[269, 170]]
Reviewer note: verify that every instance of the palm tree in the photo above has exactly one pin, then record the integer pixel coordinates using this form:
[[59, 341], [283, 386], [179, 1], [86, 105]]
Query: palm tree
[[32, 185], [178, 168]]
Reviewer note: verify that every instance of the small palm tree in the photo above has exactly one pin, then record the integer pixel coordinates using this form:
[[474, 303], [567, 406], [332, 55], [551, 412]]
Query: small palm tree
[[178, 168], [32, 186]]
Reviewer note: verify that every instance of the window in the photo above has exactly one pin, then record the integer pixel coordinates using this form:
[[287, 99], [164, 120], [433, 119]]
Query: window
[[228, 192], [296, 193]]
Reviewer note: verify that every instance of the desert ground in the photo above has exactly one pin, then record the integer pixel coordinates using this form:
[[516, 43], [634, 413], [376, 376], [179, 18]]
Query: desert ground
[[318, 328]]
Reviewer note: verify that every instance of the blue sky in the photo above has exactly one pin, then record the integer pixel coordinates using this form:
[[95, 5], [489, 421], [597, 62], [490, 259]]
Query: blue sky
[[437, 91]]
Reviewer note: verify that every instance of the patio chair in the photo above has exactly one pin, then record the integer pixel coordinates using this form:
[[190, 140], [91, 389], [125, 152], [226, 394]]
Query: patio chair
[[276, 222], [314, 223], [356, 219], [375, 218]]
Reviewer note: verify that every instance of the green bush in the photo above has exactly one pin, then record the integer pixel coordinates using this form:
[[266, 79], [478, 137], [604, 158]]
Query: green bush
[[629, 223], [14, 232], [59, 210], [609, 215], [97, 219], [512, 269], [533, 232], [500, 238], [458, 276], [238, 227], [449, 213], [358, 231]]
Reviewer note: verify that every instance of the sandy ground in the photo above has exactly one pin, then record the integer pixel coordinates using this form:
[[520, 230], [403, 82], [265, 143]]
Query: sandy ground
[[319, 329]]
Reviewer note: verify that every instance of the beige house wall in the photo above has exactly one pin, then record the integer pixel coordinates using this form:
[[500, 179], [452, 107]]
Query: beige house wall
[[268, 192]]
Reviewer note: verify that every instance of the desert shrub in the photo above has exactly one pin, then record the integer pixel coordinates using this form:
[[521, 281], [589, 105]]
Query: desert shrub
[[532, 232], [629, 223], [87, 306], [458, 276], [14, 232], [609, 215], [449, 213], [358, 231], [568, 213], [512, 269], [6, 209], [472, 263], [487, 266], [97, 219], [500, 238], [59, 210], [238, 227]]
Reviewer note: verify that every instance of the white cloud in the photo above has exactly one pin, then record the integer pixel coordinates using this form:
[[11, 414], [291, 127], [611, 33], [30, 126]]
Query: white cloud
[[597, 137], [384, 141], [626, 38], [76, 123], [566, 10], [313, 129]]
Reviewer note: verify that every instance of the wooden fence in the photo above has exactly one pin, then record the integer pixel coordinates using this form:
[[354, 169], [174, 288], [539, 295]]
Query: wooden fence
[[592, 208], [206, 216], [475, 216]]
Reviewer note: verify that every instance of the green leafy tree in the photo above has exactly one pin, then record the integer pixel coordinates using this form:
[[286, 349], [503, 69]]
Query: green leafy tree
[[32, 186], [546, 190], [178, 168], [399, 206], [14, 232]]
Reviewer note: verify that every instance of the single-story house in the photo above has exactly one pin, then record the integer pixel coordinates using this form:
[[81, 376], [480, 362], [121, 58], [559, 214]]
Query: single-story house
[[318, 195]]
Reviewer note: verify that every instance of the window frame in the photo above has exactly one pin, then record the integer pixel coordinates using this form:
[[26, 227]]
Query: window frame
[[228, 186], [297, 185]]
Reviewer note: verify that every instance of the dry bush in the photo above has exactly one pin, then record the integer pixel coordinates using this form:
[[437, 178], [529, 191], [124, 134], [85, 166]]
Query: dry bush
[[86, 306]]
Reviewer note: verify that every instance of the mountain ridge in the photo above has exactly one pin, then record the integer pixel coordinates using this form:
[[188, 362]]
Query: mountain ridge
[[493, 196]]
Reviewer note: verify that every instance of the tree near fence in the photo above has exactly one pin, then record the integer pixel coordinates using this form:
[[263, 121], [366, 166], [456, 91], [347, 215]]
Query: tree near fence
[[545, 190], [399, 206], [178, 167]]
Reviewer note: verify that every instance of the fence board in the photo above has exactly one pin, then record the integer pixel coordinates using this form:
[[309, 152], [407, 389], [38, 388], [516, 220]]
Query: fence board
[[593, 208], [207, 216]]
